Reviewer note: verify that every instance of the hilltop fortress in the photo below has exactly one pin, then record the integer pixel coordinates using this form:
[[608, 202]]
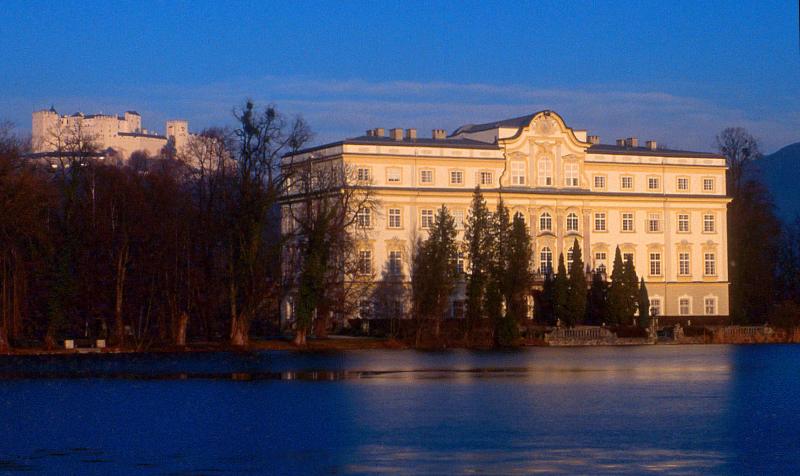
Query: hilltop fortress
[[124, 134]]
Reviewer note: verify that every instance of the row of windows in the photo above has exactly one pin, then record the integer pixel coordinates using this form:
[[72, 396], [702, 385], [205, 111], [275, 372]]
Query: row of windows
[[685, 306], [654, 262], [653, 222], [426, 176], [545, 177], [654, 183]]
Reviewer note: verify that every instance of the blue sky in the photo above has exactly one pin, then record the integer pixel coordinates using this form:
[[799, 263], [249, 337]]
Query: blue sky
[[677, 72]]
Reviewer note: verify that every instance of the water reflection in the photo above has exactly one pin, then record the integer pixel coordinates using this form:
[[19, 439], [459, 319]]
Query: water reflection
[[655, 409]]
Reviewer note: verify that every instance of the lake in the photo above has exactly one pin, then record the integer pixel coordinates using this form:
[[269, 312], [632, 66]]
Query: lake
[[660, 409]]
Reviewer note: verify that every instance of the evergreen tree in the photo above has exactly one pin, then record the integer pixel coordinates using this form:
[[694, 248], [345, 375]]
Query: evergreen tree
[[631, 292], [597, 302], [479, 243], [501, 234], [517, 282], [561, 291], [617, 292], [576, 291], [644, 306], [433, 271], [545, 302]]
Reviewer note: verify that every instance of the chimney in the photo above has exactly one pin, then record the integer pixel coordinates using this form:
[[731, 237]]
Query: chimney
[[652, 145], [439, 134], [621, 142], [411, 134], [379, 132], [594, 139], [631, 142], [396, 133]]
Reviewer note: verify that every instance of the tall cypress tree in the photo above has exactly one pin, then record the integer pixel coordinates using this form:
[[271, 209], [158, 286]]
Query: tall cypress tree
[[576, 290], [617, 294], [597, 302], [561, 291], [501, 233], [479, 242], [517, 282], [644, 306], [545, 302], [631, 292]]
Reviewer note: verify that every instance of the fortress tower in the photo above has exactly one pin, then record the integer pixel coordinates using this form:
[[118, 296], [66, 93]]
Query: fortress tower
[[178, 131]]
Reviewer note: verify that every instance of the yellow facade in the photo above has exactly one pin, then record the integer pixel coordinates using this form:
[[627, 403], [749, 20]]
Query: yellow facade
[[665, 208]]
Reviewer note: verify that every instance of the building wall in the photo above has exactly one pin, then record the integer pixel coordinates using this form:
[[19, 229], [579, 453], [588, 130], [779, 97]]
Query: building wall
[[700, 194]]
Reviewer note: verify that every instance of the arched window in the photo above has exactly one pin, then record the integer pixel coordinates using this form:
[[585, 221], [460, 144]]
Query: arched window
[[546, 260], [545, 172], [571, 174], [545, 222], [572, 222]]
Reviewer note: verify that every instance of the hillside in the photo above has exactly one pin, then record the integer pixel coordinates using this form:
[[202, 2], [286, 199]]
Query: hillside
[[781, 173]]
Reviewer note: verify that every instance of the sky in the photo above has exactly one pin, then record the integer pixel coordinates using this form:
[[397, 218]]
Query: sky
[[674, 71]]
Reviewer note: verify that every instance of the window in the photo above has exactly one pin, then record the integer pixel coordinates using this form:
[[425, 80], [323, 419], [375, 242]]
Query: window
[[364, 174], [655, 306], [654, 222], [546, 260], [365, 262], [655, 264], [572, 222], [545, 222], [364, 218], [683, 264], [426, 176], [364, 308], [653, 183], [426, 218], [456, 177], [545, 172], [600, 261], [570, 258], [709, 224], [627, 257], [460, 262], [458, 218], [627, 221], [571, 175], [518, 173], [458, 309], [710, 305], [683, 184], [393, 174], [684, 306], [600, 222], [683, 223], [486, 178], [708, 184], [394, 218], [626, 182], [599, 182], [710, 264], [395, 262]]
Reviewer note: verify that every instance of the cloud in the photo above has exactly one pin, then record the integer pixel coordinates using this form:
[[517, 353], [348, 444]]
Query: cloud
[[338, 108]]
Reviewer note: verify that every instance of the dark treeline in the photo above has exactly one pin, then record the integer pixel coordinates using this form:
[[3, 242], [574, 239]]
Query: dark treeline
[[161, 251], [148, 253]]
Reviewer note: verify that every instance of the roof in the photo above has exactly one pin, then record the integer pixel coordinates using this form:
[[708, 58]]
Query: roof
[[139, 134], [515, 122], [622, 150], [133, 112], [423, 142]]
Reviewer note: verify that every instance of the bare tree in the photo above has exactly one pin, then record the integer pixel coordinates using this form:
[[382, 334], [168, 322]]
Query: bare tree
[[328, 214], [740, 149]]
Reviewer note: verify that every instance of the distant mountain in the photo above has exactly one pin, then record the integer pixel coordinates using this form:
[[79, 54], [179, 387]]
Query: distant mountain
[[780, 172]]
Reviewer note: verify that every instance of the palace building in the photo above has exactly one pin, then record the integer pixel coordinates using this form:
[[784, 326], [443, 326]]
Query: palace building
[[122, 134], [666, 209]]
